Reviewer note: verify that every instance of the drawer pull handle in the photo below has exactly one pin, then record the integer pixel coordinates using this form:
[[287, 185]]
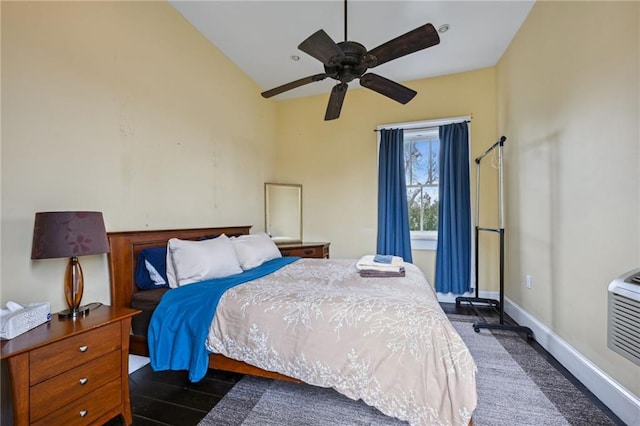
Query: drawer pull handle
[[84, 413], [309, 251], [83, 348], [83, 381]]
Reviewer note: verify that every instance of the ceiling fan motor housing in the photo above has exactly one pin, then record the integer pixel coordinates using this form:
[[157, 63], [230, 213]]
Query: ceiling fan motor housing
[[352, 64]]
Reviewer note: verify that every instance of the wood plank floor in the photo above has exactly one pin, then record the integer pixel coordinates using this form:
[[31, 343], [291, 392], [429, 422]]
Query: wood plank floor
[[168, 398]]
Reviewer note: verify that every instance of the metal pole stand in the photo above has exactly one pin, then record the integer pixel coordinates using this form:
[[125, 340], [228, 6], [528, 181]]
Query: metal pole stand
[[491, 303]]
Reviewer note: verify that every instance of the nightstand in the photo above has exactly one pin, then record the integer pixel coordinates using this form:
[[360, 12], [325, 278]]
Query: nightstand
[[316, 250], [72, 372]]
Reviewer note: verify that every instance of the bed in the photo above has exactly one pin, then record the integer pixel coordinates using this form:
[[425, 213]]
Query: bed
[[292, 325]]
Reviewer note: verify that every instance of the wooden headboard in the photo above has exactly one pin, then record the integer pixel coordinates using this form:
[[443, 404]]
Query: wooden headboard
[[125, 247]]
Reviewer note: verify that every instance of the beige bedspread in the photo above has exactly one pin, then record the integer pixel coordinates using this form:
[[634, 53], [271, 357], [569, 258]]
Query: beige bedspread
[[383, 340]]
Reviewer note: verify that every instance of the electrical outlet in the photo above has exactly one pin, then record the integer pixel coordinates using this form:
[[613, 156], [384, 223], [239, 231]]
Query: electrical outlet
[[527, 281]]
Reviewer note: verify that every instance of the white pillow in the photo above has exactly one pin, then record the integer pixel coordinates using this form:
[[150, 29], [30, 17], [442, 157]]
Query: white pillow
[[255, 249], [192, 261]]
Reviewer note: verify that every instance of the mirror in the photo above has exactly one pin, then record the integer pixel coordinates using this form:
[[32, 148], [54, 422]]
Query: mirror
[[283, 212]]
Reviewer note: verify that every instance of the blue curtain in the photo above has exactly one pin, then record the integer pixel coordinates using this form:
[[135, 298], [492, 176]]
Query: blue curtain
[[393, 213], [453, 258]]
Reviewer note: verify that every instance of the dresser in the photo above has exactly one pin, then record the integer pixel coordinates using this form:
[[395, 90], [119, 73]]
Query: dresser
[[314, 250], [71, 372]]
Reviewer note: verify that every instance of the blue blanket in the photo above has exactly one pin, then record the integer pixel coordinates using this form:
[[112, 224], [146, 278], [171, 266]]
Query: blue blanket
[[180, 323]]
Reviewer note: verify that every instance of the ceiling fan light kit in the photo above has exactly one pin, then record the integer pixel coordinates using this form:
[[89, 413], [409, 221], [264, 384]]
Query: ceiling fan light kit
[[349, 60]]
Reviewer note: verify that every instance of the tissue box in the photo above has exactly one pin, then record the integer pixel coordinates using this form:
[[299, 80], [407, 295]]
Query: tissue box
[[13, 324]]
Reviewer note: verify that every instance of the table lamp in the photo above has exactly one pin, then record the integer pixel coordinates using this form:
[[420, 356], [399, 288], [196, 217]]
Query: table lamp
[[70, 234]]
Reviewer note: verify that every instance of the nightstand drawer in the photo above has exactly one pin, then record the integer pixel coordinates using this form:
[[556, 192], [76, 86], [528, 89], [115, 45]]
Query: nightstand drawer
[[64, 388], [64, 355], [306, 252], [305, 249], [88, 409]]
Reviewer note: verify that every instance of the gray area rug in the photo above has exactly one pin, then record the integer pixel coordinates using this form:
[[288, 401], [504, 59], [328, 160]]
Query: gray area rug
[[516, 386]]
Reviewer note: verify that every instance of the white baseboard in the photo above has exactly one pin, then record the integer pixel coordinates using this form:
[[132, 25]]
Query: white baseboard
[[623, 403]]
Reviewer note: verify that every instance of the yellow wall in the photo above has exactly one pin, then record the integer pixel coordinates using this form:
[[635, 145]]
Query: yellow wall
[[568, 95], [121, 107], [336, 161]]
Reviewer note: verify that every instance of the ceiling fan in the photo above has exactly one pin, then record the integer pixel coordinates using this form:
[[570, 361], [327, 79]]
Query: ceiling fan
[[348, 60]]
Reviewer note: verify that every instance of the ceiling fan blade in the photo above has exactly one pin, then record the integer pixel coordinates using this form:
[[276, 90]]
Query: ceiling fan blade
[[390, 89], [413, 41], [335, 101], [322, 47], [293, 85]]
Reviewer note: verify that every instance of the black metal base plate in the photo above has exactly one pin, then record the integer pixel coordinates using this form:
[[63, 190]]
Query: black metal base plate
[[492, 303], [471, 300], [80, 311], [493, 326]]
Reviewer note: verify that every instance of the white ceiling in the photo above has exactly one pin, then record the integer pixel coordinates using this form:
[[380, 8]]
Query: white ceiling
[[261, 36]]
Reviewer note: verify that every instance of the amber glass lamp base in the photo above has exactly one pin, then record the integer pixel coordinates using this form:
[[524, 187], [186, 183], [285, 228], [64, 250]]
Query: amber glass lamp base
[[73, 288]]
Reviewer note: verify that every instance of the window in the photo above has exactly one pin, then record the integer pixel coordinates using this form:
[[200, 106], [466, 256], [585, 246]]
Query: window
[[421, 150]]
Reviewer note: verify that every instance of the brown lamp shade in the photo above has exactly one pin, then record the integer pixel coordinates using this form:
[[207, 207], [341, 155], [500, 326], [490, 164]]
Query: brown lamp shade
[[68, 234]]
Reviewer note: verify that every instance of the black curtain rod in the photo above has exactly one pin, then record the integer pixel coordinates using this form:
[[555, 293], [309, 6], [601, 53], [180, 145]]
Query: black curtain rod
[[423, 128]]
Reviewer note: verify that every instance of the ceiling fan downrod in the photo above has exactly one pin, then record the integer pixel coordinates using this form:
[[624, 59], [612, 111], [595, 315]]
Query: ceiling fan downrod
[[345, 20]]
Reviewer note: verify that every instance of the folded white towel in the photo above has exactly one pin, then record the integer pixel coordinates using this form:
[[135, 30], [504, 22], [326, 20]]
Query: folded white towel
[[367, 263]]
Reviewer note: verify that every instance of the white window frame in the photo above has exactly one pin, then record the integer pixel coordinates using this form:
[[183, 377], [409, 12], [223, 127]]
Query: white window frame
[[424, 240]]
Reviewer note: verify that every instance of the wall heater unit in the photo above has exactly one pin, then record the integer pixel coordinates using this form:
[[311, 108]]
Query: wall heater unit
[[623, 329]]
